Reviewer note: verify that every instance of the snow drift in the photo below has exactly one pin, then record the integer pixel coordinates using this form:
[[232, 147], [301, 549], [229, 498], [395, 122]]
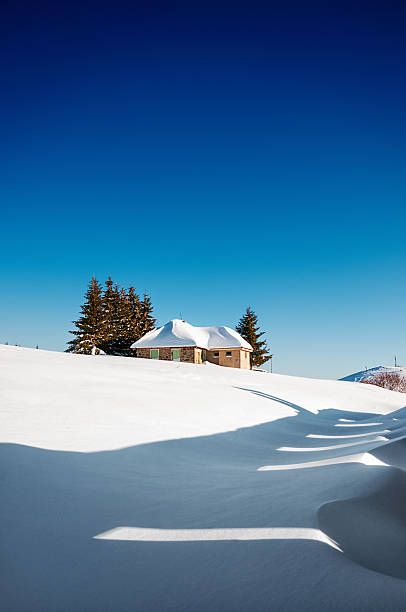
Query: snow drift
[[142, 485]]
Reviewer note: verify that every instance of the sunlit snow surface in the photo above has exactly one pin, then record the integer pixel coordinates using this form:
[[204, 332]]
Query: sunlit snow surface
[[200, 535], [141, 485], [371, 372]]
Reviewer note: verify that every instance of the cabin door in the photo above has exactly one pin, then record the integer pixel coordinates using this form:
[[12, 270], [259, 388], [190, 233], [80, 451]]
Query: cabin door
[[175, 354]]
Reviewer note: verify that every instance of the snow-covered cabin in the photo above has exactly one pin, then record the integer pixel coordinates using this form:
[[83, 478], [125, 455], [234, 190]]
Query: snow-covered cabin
[[181, 341]]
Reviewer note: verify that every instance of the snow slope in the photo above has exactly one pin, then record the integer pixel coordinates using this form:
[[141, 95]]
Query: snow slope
[[131, 484], [371, 372]]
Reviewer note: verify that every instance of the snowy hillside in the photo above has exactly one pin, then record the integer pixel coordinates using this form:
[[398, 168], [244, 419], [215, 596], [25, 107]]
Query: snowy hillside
[[132, 484], [371, 372]]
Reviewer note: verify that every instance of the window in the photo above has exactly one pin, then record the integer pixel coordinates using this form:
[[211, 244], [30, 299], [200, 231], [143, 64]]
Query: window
[[216, 354], [154, 354], [203, 355], [175, 354], [228, 354]]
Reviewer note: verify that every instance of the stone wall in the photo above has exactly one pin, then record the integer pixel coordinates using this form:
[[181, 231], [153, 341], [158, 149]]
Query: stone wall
[[143, 353], [165, 353], [191, 354], [187, 353]]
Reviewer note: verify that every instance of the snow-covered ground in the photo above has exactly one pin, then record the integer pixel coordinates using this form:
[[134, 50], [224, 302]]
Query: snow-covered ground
[[371, 372], [131, 484]]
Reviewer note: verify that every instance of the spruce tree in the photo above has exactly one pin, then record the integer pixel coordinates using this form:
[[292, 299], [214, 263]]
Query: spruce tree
[[249, 329], [134, 333], [111, 299], [111, 320], [108, 309], [90, 326], [122, 324], [146, 321]]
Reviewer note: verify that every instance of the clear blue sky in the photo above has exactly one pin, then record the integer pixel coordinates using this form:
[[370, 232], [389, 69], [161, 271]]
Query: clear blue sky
[[216, 155]]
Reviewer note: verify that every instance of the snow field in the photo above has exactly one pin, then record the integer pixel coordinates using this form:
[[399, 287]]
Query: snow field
[[136, 485]]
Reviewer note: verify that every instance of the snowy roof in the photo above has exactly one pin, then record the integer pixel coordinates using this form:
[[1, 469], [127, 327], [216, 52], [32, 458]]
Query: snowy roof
[[181, 333]]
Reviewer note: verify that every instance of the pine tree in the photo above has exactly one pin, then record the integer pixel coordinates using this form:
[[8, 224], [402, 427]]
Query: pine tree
[[249, 329], [90, 326], [146, 321]]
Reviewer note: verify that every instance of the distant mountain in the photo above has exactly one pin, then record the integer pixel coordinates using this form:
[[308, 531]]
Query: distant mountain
[[371, 372]]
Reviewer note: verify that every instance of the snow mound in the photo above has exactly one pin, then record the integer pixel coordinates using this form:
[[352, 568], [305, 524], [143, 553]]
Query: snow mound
[[371, 529], [181, 333], [97, 351], [372, 372]]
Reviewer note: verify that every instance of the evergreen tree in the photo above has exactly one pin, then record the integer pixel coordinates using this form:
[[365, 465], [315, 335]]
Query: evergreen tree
[[111, 320], [249, 329], [108, 309], [134, 333], [146, 320], [122, 324], [90, 326], [111, 305]]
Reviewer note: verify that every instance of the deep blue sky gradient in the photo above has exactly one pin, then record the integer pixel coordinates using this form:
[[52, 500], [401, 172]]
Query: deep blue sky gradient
[[216, 155]]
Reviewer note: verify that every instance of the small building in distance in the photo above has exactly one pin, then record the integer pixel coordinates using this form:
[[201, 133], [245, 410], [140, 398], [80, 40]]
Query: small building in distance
[[181, 341]]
